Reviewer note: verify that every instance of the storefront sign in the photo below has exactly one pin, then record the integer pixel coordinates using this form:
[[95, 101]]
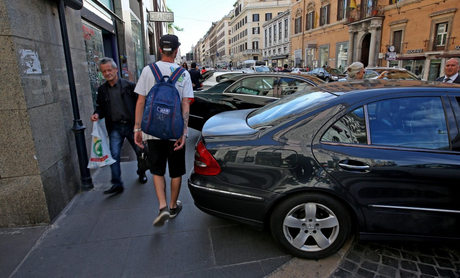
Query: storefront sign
[[411, 51], [161, 17], [390, 56]]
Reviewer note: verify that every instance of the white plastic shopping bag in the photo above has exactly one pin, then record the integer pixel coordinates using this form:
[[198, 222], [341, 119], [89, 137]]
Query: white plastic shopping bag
[[100, 151]]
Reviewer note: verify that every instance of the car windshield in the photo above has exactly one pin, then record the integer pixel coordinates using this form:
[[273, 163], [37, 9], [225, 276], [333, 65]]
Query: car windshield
[[287, 107], [262, 69], [392, 74]]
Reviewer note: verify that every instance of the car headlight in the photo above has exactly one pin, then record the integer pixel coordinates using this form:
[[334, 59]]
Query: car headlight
[[335, 77]]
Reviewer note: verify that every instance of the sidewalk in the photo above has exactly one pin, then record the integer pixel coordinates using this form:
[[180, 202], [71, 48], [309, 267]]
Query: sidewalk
[[112, 236]]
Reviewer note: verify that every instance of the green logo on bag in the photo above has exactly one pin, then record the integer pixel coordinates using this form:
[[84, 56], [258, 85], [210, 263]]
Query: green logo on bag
[[97, 147]]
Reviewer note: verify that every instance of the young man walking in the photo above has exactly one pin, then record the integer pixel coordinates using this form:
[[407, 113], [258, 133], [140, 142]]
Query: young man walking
[[165, 152], [116, 102]]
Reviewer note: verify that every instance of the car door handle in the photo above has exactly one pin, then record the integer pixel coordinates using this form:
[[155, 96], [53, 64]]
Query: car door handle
[[354, 166], [237, 101]]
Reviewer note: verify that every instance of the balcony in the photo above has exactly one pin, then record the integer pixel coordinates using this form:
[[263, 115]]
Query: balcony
[[367, 13], [252, 52]]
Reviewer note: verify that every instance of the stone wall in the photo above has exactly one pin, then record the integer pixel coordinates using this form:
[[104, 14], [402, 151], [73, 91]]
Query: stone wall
[[39, 170]]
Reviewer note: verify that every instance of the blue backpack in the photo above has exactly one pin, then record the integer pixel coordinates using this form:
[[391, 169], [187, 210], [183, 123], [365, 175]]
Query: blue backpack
[[163, 108]]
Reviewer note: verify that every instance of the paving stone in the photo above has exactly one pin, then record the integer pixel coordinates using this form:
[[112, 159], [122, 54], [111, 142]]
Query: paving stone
[[444, 263], [372, 256], [426, 260], [365, 273], [407, 265], [407, 274], [387, 271], [353, 256], [348, 265], [370, 266], [390, 261], [408, 256], [427, 269], [445, 273]]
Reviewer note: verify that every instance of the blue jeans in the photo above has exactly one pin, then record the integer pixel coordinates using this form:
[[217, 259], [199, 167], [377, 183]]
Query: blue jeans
[[117, 136]]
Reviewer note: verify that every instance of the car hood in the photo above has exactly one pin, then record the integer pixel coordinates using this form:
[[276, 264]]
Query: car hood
[[228, 123]]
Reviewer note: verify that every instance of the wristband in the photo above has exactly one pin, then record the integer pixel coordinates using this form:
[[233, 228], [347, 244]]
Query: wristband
[[137, 129]]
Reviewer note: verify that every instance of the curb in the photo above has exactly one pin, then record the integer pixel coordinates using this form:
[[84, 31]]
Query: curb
[[324, 268]]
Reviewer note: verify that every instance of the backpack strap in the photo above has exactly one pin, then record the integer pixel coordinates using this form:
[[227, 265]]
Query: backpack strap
[[156, 72], [176, 74]]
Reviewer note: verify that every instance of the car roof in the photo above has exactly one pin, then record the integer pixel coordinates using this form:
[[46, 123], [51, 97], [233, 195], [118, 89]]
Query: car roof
[[383, 85], [276, 74]]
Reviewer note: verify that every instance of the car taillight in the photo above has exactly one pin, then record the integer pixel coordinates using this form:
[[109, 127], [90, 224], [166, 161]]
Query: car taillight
[[205, 163]]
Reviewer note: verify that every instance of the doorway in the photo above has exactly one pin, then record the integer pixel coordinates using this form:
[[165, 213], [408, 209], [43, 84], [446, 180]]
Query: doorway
[[365, 45]]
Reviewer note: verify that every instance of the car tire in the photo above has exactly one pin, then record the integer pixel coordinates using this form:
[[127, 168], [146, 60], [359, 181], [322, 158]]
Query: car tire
[[314, 237], [326, 79]]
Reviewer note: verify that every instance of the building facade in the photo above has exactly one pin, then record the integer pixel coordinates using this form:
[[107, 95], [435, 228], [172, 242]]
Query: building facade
[[249, 16], [419, 35], [45, 114], [277, 41]]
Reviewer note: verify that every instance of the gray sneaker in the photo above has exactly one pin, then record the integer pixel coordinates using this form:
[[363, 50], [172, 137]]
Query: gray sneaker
[[163, 215], [175, 211]]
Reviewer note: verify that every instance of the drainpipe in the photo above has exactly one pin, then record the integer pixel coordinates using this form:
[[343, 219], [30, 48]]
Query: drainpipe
[[78, 128]]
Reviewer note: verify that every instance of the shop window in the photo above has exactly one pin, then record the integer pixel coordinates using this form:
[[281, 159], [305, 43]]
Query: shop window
[[94, 51]]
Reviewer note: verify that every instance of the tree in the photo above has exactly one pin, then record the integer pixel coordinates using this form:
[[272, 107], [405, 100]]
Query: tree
[[171, 25]]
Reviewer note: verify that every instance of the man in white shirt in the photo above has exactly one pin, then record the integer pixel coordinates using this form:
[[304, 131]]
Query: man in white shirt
[[162, 152], [450, 72]]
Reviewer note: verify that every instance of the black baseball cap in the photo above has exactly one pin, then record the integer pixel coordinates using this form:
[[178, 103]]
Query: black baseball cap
[[169, 42]]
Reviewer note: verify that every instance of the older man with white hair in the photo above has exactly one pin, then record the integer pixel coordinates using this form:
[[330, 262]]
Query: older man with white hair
[[450, 72]]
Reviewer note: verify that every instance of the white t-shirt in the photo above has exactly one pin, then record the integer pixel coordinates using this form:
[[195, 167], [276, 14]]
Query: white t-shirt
[[147, 81]]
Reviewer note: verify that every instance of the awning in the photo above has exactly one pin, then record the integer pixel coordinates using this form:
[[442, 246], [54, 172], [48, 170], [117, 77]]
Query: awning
[[411, 58], [452, 55], [275, 57]]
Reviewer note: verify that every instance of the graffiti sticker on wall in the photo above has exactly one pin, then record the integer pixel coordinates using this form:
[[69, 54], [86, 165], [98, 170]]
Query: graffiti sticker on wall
[[30, 64]]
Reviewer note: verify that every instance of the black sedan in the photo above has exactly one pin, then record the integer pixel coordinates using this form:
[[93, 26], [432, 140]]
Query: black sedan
[[377, 158], [328, 75], [245, 91]]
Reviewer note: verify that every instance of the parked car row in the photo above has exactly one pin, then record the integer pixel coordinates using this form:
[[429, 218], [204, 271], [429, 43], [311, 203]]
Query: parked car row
[[243, 91], [375, 158]]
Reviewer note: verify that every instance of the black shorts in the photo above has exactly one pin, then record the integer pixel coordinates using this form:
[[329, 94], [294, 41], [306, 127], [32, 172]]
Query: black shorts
[[162, 151]]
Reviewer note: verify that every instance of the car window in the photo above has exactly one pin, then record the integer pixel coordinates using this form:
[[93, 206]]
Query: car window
[[417, 122], [334, 71], [291, 85], [258, 85], [349, 129]]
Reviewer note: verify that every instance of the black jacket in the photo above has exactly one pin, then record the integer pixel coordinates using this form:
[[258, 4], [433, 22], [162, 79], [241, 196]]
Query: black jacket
[[457, 80], [195, 76], [103, 107]]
